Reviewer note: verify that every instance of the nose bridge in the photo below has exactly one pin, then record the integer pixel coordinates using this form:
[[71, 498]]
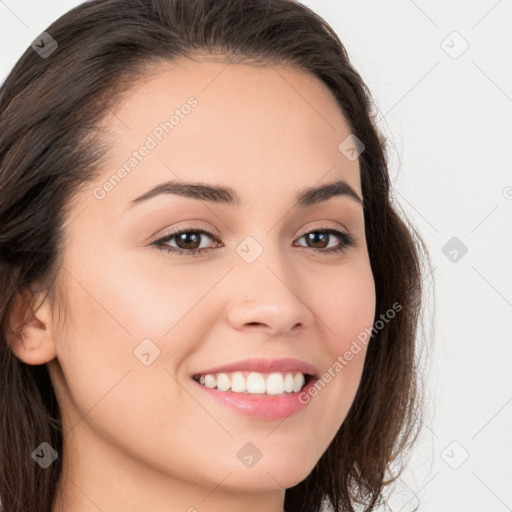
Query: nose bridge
[[262, 263], [266, 287]]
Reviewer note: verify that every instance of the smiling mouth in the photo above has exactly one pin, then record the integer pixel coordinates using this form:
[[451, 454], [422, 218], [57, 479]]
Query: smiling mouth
[[256, 383]]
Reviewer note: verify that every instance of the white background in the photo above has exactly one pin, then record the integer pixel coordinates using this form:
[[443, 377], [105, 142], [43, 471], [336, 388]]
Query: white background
[[448, 120]]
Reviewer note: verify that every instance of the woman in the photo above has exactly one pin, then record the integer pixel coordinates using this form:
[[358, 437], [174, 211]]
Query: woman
[[208, 300]]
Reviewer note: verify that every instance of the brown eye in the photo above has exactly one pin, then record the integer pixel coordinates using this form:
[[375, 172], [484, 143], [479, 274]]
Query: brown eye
[[188, 241], [320, 243]]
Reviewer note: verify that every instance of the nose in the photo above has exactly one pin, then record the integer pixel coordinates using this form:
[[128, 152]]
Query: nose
[[268, 297]]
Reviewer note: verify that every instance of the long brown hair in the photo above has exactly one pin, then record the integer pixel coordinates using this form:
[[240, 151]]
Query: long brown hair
[[50, 109]]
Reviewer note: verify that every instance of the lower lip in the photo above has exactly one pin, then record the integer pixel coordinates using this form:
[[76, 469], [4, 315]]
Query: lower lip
[[268, 407]]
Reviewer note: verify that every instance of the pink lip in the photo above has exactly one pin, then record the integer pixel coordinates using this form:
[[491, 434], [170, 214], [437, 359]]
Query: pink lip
[[266, 407], [263, 366]]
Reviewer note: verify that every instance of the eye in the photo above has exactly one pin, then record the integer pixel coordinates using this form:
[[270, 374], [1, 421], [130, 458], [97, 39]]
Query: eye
[[188, 241], [321, 237]]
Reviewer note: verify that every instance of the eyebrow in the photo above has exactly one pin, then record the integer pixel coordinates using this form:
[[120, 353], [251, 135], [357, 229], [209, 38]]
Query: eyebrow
[[228, 196]]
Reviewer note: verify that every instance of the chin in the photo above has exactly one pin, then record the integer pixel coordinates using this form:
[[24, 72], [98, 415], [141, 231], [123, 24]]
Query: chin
[[274, 475]]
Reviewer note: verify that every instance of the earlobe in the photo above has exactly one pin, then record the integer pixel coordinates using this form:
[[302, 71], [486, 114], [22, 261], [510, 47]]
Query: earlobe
[[35, 343]]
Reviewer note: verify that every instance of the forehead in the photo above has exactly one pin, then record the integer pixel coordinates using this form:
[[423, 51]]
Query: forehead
[[267, 128]]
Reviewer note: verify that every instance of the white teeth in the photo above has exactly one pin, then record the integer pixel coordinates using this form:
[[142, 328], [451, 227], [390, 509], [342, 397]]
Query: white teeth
[[223, 382], [288, 383], [298, 382], [238, 382], [255, 383], [209, 381], [275, 383]]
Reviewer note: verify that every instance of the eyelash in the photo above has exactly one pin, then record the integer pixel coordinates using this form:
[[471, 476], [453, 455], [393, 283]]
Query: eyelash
[[347, 241]]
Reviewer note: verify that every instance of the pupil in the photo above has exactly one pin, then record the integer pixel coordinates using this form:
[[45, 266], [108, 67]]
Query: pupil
[[185, 236], [313, 236]]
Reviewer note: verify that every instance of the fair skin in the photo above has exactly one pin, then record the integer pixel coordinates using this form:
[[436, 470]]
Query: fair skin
[[146, 438]]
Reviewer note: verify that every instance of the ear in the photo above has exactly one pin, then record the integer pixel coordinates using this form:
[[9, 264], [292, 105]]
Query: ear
[[35, 344]]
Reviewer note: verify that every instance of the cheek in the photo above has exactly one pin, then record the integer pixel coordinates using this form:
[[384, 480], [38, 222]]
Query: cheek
[[345, 304], [106, 383], [122, 319], [346, 309]]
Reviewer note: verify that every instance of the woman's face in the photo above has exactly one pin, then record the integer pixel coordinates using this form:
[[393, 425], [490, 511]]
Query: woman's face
[[144, 321]]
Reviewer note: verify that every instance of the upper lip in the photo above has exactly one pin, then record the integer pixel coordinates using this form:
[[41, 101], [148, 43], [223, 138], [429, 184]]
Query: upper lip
[[264, 365]]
